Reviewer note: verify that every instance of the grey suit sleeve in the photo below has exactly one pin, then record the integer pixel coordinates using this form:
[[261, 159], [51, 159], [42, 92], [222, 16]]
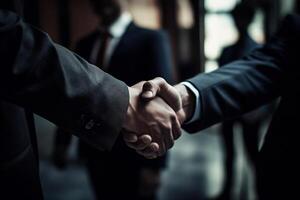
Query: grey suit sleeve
[[246, 84], [59, 85]]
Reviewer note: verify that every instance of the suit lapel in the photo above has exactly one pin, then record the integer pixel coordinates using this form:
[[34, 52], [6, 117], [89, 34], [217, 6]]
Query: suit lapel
[[123, 46]]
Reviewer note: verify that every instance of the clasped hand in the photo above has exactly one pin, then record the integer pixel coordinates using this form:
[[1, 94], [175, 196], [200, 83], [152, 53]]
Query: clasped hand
[[154, 116]]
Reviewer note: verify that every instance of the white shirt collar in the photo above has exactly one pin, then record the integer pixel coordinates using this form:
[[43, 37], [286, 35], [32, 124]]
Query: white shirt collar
[[118, 28]]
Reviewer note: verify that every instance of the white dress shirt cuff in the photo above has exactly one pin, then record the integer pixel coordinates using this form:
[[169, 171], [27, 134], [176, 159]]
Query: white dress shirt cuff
[[196, 114]]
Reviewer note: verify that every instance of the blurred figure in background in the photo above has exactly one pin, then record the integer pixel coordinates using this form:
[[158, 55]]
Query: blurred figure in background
[[131, 54], [251, 123]]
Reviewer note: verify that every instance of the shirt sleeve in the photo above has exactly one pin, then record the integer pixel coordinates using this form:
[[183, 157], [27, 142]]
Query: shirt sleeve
[[196, 114]]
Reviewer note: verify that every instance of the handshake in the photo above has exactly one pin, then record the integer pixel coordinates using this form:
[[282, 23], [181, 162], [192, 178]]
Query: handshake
[[154, 116]]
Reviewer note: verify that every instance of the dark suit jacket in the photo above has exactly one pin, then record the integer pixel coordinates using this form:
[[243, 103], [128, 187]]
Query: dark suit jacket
[[51, 81], [236, 51], [141, 54], [265, 74]]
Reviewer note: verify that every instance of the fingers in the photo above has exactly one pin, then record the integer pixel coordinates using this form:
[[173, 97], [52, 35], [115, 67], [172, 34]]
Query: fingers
[[139, 143], [153, 87], [170, 134], [168, 139], [159, 87], [150, 152], [177, 132], [181, 116], [130, 137], [144, 141], [149, 91], [142, 144], [157, 116], [163, 136]]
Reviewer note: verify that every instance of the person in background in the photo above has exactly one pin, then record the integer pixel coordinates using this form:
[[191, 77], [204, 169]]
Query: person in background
[[131, 54], [243, 15]]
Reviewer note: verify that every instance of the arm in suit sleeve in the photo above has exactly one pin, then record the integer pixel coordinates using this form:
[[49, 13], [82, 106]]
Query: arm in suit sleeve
[[161, 57], [59, 85], [246, 84]]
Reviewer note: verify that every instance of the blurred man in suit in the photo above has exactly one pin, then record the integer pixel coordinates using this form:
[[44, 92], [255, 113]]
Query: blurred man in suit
[[38, 75], [265, 74], [131, 54], [235, 177]]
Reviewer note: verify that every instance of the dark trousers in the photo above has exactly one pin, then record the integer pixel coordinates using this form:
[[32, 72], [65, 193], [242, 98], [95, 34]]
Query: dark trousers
[[113, 180], [250, 136]]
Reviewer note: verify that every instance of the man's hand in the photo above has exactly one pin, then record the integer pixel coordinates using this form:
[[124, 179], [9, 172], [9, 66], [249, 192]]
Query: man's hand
[[142, 144], [154, 120], [179, 97]]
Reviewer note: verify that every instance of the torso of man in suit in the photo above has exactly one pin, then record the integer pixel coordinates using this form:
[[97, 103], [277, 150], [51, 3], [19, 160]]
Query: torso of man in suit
[[132, 54], [236, 51], [279, 160], [18, 148], [265, 74]]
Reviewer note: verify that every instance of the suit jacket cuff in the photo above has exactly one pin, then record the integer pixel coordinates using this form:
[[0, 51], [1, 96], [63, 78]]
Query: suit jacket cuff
[[104, 123]]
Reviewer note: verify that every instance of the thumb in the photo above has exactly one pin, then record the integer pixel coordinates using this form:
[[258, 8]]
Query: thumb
[[159, 87], [149, 91]]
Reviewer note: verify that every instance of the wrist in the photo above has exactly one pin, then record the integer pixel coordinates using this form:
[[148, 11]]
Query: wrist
[[188, 101]]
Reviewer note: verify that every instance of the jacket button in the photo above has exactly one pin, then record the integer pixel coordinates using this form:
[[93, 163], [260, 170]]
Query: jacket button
[[90, 124]]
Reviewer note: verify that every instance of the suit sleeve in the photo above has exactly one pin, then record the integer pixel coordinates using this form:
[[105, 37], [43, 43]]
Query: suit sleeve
[[246, 84], [59, 85]]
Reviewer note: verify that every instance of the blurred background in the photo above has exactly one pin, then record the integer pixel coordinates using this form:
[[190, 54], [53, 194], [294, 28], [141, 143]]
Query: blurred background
[[203, 35]]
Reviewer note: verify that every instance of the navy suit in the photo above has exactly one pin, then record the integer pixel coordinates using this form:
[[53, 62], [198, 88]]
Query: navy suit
[[250, 124], [265, 74], [141, 54]]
